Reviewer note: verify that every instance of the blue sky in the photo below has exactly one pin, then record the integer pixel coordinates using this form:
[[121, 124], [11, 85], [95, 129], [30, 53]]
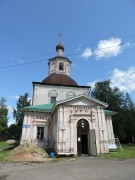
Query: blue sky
[[98, 36]]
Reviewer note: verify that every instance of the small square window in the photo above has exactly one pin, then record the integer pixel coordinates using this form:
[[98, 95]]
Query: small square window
[[40, 132], [61, 66], [53, 99]]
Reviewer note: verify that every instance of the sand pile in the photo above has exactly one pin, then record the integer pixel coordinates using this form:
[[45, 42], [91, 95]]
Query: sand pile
[[28, 152]]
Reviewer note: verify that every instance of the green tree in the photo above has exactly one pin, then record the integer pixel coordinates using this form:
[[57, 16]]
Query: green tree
[[112, 96], [3, 118], [14, 131], [19, 114], [115, 99], [129, 117]]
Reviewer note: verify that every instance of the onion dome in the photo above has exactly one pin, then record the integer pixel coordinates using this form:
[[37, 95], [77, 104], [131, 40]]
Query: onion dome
[[59, 46], [59, 79]]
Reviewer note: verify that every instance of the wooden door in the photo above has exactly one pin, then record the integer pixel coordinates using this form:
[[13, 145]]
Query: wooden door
[[92, 143]]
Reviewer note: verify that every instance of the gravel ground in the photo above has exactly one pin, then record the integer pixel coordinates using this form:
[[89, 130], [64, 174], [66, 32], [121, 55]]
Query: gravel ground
[[84, 168]]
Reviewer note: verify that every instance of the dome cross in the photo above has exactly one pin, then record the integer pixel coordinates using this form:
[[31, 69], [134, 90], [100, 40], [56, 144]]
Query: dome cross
[[60, 37]]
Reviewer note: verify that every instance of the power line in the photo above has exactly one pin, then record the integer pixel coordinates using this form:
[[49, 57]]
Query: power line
[[34, 66], [50, 53], [18, 69], [92, 50], [16, 65], [30, 57], [37, 61], [20, 39], [82, 46], [100, 49]]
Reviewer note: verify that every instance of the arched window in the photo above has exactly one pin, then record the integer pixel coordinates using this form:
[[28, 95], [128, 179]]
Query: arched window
[[61, 66]]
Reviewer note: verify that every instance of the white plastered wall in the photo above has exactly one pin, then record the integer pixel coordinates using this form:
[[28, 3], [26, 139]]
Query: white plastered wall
[[42, 93], [32, 120], [103, 137], [109, 126], [67, 127]]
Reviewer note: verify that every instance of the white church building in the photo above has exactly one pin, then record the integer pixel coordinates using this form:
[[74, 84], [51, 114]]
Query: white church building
[[64, 117]]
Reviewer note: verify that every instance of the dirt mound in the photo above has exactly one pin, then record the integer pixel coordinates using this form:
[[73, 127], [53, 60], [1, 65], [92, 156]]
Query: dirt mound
[[28, 152]]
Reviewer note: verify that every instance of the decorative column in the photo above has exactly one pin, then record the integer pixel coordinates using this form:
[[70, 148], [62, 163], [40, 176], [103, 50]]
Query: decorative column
[[105, 137], [73, 131], [97, 129]]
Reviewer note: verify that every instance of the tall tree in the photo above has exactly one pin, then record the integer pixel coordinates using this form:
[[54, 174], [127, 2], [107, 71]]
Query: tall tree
[[115, 99], [3, 118], [105, 93], [19, 114], [129, 118]]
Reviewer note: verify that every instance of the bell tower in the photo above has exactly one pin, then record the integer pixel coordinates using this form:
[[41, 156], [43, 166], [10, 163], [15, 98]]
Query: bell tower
[[59, 64]]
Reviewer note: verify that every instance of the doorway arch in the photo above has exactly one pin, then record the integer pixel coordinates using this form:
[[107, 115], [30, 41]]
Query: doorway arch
[[82, 137]]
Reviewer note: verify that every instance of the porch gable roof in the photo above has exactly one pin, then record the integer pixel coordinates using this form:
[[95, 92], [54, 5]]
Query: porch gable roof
[[82, 95]]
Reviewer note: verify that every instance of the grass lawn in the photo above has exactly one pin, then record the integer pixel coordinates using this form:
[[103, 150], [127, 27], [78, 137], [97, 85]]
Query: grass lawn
[[5, 153], [3, 144], [127, 153]]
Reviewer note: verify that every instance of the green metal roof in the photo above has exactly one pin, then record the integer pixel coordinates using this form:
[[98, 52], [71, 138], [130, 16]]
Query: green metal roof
[[108, 112], [42, 108]]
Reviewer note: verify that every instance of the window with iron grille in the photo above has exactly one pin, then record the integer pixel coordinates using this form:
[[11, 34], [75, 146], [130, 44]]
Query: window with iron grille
[[40, 132]]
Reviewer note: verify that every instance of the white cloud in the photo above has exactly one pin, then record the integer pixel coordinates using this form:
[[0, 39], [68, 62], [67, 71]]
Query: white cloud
[[17, 97], [108, 48], [87, 53], [30, 99], [92, 83], [127, 45], [11, 122], [14, 97], [124, 80], [11, 119], [10, 109]]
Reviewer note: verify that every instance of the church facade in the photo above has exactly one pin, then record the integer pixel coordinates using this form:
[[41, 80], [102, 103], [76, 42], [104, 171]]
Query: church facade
[[63, 116]]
